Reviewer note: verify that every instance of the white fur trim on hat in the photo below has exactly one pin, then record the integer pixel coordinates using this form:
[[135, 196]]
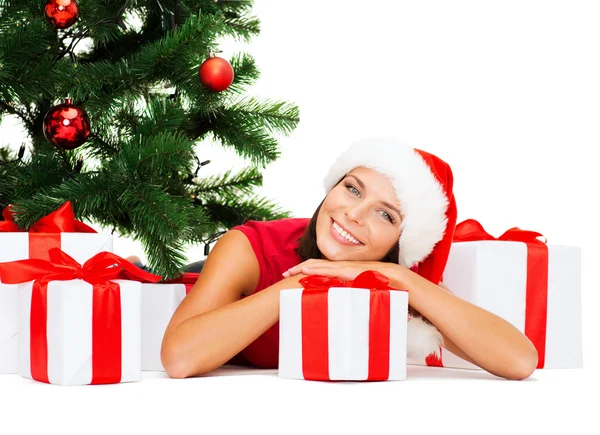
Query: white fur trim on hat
[[423, 339], [422, 199]]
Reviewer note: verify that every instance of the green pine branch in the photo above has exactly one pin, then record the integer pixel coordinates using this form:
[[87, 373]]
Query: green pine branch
[[236, 212], [138, 174], [228, 184]]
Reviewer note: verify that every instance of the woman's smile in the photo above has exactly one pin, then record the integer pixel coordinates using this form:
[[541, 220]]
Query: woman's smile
[[342, 236]]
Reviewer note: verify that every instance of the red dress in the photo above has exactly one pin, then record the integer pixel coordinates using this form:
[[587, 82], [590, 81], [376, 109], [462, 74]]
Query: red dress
[[274, 243]]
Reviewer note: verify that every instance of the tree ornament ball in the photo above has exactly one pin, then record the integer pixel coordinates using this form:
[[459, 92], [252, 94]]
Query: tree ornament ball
[[62, 13], [216, 73], [66, 126]]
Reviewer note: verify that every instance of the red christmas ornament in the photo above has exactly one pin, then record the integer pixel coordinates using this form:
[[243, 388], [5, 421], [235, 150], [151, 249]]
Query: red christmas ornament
[[66, 126], [62, 13], [216, 73]]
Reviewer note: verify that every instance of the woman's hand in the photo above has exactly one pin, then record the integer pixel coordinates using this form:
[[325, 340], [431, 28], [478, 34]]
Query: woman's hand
[[344, 270]]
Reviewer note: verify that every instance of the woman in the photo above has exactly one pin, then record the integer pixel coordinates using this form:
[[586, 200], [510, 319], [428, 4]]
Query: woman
[[388, 208]]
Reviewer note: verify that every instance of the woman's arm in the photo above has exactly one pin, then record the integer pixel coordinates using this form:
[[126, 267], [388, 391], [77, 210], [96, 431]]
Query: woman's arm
[[484, 338], [213, 323]]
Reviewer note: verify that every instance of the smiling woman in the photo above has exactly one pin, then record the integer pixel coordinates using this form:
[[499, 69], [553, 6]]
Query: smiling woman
[[388, 207]]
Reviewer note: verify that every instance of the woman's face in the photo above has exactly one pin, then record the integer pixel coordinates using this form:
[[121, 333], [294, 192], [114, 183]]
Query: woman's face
[[354, 222]]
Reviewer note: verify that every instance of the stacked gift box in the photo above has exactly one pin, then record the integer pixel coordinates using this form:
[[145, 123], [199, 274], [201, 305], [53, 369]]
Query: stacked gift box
[[71, 311]]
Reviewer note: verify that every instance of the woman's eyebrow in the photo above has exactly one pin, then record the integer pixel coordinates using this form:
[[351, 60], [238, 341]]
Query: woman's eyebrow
[[387, 204]]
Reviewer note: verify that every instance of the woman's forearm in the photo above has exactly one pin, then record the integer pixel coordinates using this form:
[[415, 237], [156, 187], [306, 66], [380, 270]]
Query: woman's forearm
[[490, 341], [204, 342]]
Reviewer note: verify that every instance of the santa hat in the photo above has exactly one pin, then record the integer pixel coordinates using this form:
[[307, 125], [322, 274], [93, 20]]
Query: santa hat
[[423, 185]]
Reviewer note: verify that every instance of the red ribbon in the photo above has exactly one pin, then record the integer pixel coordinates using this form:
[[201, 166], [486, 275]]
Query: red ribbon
[[315, 350], [45, 233], [188, 279], [106, 312], [536, 304]]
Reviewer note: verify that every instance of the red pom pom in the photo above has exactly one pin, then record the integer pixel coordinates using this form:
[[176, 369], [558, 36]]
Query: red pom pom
[[66, 126], [216, 73]]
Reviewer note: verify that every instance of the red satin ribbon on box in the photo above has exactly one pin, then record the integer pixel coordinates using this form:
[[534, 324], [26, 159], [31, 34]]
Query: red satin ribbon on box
[[315, 350], [106, 312], [45, 233], [188, 279], [536, 304]]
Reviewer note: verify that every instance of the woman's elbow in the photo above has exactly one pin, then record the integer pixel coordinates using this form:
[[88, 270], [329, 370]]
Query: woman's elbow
[[179, 365], [524, 365], [174, 366]]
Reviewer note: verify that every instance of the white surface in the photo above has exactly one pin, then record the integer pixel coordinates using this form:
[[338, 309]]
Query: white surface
[[159, 302], [347, 334], [254, 401], [69, 331], [506, 92]]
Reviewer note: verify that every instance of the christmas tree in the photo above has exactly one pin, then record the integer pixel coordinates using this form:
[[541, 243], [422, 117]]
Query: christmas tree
[[143, 86]]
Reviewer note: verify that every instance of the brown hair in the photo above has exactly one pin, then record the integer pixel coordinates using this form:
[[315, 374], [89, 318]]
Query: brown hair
[[308, 248]]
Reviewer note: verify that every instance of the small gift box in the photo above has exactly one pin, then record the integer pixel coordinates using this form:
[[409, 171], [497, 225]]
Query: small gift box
[[159, 302], [534, 286], [77, 325], [343, 330], [57, 230]]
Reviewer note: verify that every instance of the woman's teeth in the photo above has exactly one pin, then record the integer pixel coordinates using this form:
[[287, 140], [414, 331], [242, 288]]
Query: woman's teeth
[[345, 235]]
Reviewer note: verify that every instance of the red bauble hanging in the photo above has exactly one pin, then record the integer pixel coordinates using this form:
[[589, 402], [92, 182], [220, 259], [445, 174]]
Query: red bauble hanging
[[66, 126], [216, 73], [62, 13]]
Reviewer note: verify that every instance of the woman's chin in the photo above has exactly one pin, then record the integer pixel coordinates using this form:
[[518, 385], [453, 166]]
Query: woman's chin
[[336, 252]]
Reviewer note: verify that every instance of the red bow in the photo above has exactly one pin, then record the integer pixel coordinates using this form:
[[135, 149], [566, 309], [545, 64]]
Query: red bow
[[99, 269], [470, 230], [59, 221], [368, 279], [106, 317]]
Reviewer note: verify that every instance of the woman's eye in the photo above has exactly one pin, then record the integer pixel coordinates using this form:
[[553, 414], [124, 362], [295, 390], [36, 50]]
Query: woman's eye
[[352, 188], [388, 217]]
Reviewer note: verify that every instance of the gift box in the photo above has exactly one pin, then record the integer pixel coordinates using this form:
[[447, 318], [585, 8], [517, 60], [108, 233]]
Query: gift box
[[159, 302], [531, 284], [343, 330], [77, 324], [59, 229]]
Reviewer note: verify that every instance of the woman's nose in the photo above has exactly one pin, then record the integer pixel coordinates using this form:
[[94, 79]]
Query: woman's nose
[[357, 213]]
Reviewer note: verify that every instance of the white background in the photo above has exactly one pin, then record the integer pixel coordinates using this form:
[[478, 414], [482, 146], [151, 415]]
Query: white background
[[508, 93]]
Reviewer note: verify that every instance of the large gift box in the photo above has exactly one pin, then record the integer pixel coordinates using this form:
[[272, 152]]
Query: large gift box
[[343, 330], [60, 230], [533, 285], [78, 325], [159, 302]]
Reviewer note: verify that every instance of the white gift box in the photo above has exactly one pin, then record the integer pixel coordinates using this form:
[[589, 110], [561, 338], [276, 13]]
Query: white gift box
[[159, 302], [493, 276], [15, 246], [69, 331], [8, 328], [348, 323]]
